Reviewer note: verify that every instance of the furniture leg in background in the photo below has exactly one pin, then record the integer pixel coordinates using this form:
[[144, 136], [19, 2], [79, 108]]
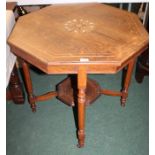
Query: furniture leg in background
[[142, 68], [15, 91]]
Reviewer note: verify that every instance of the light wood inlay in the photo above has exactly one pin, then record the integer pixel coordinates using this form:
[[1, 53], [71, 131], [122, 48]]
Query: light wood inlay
[[79, 26], [79, 39], [111, 36]]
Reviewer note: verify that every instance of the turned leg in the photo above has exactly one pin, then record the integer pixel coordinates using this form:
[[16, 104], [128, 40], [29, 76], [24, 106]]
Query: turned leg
[[28, 84], [15, 91], [127, 82], [82, 81]]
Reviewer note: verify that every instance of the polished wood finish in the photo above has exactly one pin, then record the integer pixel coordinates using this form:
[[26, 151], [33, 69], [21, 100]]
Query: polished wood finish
[[127, 82], [67, 91], [111, 92], [15, 90], [46, 96], [82, 84], [28, 85], [116, 37], [78, 39]]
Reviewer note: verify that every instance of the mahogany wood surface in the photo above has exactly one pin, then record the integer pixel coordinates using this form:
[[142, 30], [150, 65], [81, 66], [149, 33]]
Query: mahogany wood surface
[[82, 84], [78, 39], [28, 84], [15, 90], [67, 91], [127, 82], [46, 96], [111, 92], [111, 37]]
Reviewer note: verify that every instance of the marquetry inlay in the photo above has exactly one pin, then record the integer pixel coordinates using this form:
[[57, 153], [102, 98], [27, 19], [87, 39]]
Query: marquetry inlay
[[98, 36], [79, 25]]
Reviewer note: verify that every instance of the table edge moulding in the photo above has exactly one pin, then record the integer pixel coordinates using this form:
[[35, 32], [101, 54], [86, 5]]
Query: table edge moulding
[[78, 90]]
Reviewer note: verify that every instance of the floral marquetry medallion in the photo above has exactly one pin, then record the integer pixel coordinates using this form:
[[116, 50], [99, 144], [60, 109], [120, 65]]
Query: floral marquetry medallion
[[79, 25], [79, 33], [78, 39]]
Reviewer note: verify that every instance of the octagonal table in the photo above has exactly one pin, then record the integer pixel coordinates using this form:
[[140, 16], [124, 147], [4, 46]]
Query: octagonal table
[[78, 39]]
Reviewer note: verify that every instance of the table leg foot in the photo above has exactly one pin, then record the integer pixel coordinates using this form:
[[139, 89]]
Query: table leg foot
[[81, 138], [33, 106], [123, 101], [127, 83], [124, 98], [32, 103], [122, 104], [79, 146]]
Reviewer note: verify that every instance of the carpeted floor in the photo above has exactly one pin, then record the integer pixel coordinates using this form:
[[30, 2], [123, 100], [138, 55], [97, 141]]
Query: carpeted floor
[[110, 129]]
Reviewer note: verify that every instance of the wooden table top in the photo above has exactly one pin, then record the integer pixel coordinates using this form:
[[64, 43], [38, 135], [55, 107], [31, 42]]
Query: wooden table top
[[59, 38]]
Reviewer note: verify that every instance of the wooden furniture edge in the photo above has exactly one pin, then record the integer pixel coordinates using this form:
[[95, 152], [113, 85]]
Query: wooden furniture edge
[[11, 5]]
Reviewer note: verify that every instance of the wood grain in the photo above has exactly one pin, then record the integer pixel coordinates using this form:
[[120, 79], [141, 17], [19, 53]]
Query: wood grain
[[80, 39], [82, 84], [117, 36], [127, 82], [28, 84]]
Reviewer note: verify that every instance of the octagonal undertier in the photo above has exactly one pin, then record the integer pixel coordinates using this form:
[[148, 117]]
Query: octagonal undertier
[[67, 91]]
